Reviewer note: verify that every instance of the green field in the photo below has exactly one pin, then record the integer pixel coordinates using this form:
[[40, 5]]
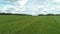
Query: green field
[[29, 24]]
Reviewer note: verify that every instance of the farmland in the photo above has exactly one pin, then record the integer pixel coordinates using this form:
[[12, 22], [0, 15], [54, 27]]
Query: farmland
[[29, 24]]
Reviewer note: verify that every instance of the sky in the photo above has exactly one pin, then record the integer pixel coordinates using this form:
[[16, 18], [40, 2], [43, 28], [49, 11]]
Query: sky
[[32, 7]]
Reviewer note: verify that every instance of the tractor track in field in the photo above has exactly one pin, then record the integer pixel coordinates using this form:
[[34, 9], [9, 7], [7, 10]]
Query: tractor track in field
[[15, 20], [55, 28], [32, 25], [30, 22], [11, 22], [55, 21], [26, 25]]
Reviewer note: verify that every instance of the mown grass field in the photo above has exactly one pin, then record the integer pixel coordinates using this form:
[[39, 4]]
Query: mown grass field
[[29, 24]]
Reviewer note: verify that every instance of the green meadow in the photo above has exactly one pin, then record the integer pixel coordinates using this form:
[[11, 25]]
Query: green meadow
[[29, 24]]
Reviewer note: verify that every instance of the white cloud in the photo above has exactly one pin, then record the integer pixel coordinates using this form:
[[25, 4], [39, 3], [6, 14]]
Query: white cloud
[[20, 7], [22, 2], [8, 7], [56, 1]]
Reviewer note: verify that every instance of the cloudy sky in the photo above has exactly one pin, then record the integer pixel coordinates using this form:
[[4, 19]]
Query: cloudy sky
[[33, 7]]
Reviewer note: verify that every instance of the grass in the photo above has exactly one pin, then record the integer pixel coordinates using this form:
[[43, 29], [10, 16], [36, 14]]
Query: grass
[[29, 24]]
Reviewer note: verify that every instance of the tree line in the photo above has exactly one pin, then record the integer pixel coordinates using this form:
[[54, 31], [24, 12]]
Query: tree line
[[14, 14], [29, 15], [49, 15]]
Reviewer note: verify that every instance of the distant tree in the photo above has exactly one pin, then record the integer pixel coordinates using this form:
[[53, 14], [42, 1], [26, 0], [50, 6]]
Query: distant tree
[[50, 14], [57, 14], [41, 15]]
